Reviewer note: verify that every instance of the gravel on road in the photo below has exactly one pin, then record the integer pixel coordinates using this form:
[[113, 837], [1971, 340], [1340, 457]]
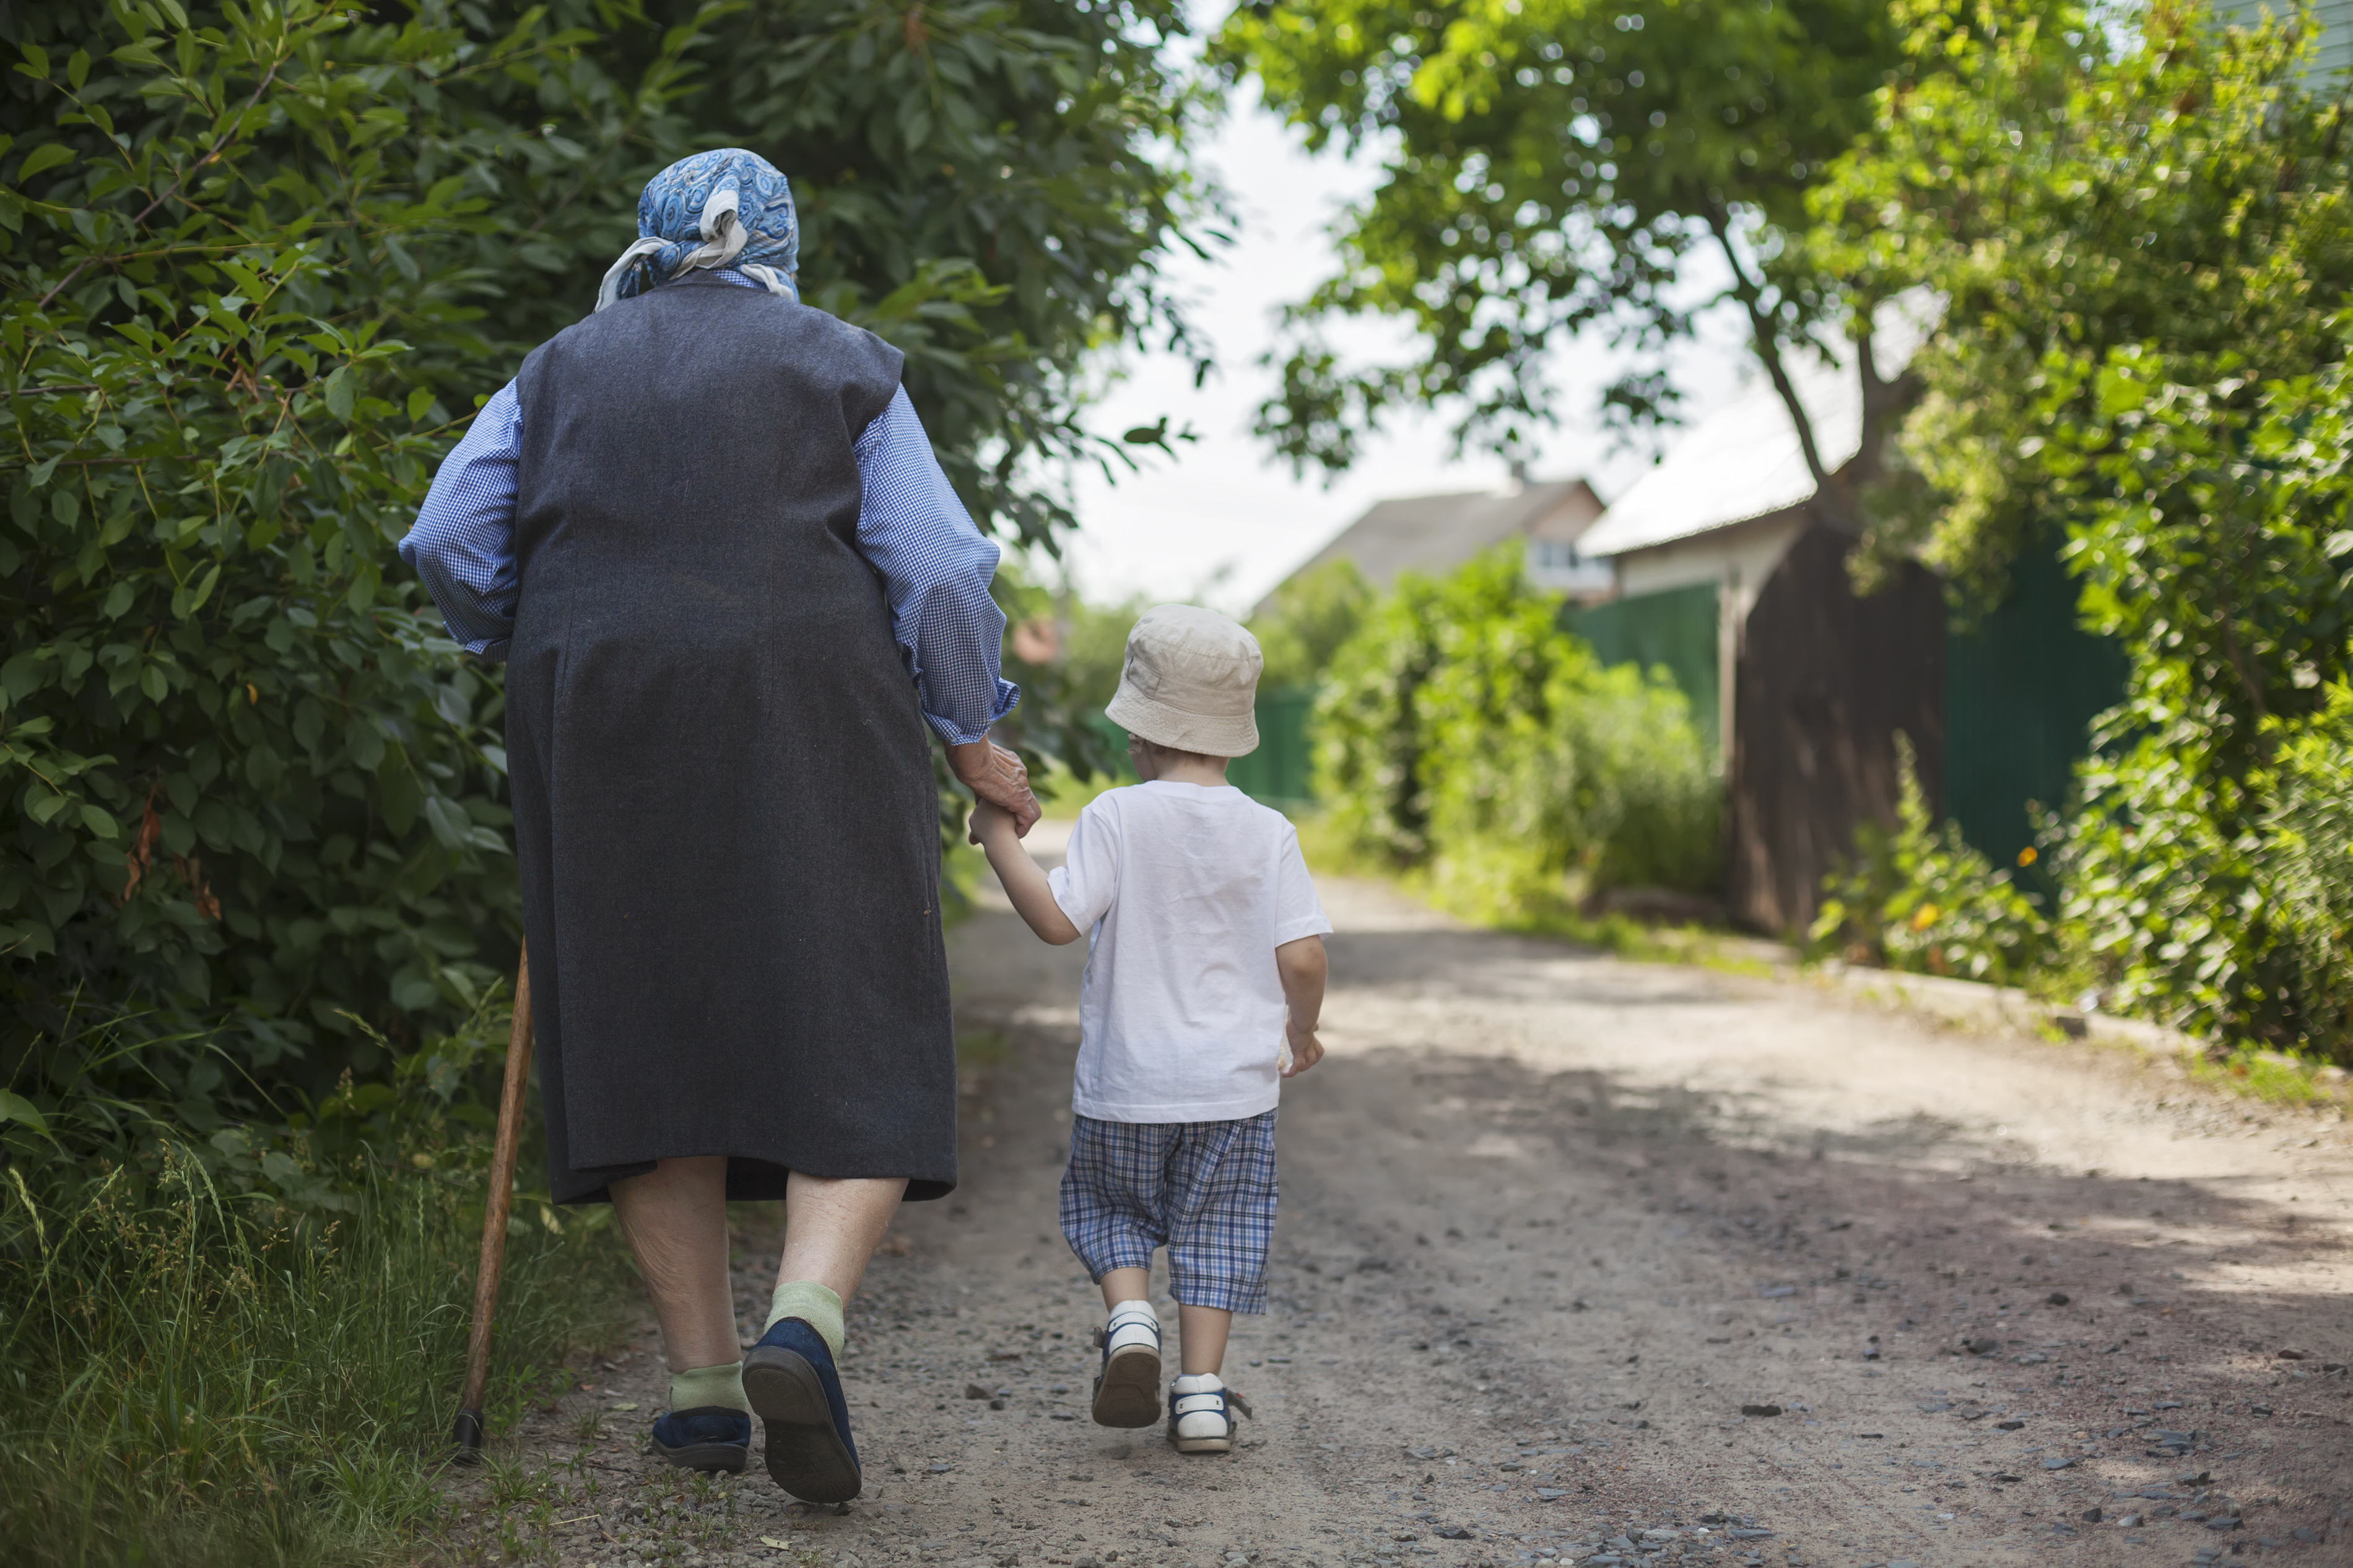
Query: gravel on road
[[1580, 1260]]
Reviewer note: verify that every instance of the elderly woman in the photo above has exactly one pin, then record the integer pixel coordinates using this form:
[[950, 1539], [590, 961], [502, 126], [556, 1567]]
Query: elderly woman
[[705, 532]]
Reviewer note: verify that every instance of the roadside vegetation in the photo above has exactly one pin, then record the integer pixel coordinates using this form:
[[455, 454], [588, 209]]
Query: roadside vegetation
[[261, 263], [2135, 229]]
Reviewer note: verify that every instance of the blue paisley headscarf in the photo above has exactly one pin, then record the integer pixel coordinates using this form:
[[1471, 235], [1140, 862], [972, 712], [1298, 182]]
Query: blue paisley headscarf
[[722, 208]]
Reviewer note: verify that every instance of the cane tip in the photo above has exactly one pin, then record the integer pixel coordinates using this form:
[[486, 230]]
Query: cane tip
[[469, 1438]]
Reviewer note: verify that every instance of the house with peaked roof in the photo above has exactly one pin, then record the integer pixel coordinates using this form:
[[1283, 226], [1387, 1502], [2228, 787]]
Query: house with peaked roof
[[1435, 534], [1727, 575]]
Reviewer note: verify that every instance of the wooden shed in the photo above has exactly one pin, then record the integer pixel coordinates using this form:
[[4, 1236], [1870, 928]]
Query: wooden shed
[[1809, 683]]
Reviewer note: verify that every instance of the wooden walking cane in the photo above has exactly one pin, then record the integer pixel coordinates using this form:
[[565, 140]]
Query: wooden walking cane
[[494, 1218]]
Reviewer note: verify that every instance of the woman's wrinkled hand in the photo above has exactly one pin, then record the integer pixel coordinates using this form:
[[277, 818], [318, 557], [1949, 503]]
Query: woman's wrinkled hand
[[996, 775]]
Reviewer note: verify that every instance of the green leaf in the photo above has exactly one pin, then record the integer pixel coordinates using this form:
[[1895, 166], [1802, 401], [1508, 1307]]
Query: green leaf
[[17, 1108], [449, 821], [37, 62], [42, 159], [78, 69], [340, 392], [98, 822], [419, 402]]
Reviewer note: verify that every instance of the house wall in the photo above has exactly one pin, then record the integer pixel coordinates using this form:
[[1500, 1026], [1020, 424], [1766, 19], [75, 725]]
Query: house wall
[[2334, 18], [1741, 558]]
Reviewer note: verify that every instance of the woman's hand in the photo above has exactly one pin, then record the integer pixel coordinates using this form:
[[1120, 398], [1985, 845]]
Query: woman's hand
[[996, 775]]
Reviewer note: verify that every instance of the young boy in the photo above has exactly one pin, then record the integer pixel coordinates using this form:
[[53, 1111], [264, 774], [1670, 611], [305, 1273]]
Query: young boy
[[1204, 974]]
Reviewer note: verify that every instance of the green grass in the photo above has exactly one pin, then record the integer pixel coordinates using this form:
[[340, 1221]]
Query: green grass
[[1619, 935], [2275, 1077], [191, 1377]]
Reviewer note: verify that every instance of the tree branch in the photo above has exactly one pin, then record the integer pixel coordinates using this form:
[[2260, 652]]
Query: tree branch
[[174, 189], [1766, 339]]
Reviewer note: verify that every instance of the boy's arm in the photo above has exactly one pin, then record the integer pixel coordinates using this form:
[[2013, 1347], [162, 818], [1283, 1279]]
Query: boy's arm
[[1302, 967], [994, 829]]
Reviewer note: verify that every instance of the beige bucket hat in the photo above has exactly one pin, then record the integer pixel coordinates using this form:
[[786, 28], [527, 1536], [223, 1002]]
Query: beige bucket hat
[[1190, 682]]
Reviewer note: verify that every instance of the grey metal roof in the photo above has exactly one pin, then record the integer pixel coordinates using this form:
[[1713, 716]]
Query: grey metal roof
[[1739, 463], [1433, 533]]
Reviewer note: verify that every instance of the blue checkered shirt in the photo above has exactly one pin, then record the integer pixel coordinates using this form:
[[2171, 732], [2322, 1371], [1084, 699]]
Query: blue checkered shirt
[[935, 565]]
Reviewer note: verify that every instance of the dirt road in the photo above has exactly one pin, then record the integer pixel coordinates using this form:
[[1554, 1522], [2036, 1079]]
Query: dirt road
[[1586, 1261]]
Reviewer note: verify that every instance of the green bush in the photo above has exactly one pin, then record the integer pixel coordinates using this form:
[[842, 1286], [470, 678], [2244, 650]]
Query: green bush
[[1462, 734], [1917, 897], [262, 262]]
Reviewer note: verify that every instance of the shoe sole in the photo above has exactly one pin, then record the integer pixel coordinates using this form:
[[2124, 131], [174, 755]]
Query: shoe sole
[[804, 1453], [1204, 1445], [731, 1457], [1127, 1392]]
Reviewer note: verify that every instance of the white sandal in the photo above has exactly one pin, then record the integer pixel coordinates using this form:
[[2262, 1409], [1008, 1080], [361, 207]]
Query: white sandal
[[1127, 1388], [1202, 1420]]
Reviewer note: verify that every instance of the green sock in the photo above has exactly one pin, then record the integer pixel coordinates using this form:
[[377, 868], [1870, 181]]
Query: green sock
[[703, 1387], [813, 1304]]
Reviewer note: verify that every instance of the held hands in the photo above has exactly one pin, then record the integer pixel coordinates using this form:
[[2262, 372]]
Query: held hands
[[1302, 1049], [997, 778]]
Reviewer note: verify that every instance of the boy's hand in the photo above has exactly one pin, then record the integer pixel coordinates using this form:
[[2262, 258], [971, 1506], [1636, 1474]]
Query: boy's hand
[[1306, 1051], [986, 816]]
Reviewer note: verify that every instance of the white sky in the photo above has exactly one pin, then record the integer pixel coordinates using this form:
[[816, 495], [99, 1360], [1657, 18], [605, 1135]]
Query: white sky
[[1224, 520]]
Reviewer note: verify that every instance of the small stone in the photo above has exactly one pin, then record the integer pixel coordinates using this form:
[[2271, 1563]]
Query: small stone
[[1760, 1410], [2057, 1299], [2090, 1516], [2130, 1521], [1454, 1532], [2224, 1523], [2308, 1535], [974, 1391], [2059, 1462], [2008, 1425], [1931, 1406]]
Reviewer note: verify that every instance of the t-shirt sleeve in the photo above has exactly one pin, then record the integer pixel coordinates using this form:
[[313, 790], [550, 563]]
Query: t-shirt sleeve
[[1297, 912], [1088, 879]]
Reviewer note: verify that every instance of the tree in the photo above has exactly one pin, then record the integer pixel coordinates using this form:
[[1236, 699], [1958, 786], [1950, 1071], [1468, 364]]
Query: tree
[[1553, 167], [2144, 245], [262, 262]]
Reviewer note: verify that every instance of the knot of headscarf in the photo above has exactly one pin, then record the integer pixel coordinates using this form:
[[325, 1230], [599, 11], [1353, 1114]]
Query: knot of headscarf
[[722, 208]]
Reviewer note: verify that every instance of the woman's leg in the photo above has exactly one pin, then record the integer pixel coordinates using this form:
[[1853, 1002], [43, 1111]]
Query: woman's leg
[[675, 1217], [832, 1226]]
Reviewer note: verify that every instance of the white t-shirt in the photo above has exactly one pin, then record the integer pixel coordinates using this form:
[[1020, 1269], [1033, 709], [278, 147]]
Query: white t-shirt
[[1185, 892]]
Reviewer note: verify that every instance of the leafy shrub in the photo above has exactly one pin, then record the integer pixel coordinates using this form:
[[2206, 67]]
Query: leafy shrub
[[1917, 897], [1461, 733], [261, 262]]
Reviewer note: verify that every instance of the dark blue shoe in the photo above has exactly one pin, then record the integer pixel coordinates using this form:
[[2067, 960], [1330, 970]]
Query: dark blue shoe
[[796, 1394], [708, 1438]]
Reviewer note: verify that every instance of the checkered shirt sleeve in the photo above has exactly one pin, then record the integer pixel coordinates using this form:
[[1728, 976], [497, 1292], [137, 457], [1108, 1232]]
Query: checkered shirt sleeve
[[935, 565], [935, 568], [462, 543]]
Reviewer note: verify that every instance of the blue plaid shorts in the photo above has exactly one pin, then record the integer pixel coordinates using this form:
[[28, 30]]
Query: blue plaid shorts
[[1204, 1190]]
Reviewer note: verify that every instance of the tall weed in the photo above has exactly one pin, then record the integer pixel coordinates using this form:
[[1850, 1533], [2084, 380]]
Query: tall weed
[[246, 1350]]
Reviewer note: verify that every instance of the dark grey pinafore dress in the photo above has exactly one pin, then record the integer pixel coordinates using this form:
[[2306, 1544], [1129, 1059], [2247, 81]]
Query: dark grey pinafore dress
[[725, 812]]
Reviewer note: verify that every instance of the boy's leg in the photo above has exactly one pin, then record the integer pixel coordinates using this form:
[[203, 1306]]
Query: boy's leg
[[1201, 1333], [1121, 1286], [1222, 1202], [1108, 1215]]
